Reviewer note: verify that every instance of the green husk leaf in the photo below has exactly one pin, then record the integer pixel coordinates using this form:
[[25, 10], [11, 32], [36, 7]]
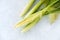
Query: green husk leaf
[[53, 15]]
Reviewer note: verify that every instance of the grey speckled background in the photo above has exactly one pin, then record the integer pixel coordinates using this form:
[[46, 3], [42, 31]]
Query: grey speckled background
[[9, 16]]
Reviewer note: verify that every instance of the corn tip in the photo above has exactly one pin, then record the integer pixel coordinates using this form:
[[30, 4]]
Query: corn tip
[[23, 31]]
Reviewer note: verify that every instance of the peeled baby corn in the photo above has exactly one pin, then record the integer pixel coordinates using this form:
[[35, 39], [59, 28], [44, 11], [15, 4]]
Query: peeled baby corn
[[30, 25], [27, 7], [35, 8], [31, 18]]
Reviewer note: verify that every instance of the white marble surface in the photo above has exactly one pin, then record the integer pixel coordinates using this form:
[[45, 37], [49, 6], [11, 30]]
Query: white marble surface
[[9, 16]]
